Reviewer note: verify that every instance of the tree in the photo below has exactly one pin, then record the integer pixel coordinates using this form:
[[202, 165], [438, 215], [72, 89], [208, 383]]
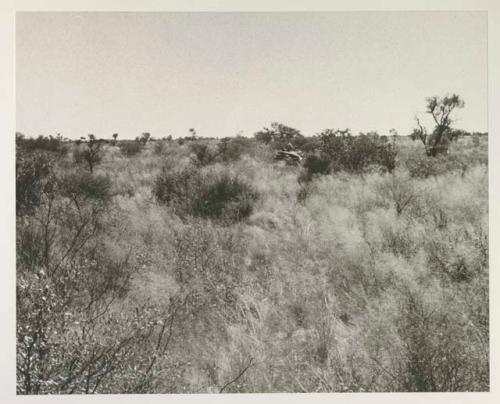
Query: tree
[[192, 131], [115, 135], [279, 135], [145, 137], [440, 109], [92, 155]]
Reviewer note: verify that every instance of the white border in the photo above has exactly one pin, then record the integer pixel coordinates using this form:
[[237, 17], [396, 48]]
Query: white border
[[7, 168]]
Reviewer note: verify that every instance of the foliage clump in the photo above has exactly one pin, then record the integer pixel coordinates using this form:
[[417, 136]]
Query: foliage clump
[[440, 109], [91, 153], [212, 195], [34, 177], [203, 153], [84, 185], [130, 148], [49, 143], [341, 151]]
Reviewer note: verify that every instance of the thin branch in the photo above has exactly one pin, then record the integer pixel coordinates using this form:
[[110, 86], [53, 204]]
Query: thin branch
[[237, 377], [383, 368]]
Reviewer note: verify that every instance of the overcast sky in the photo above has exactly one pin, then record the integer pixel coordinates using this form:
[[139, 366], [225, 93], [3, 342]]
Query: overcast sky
[[222, 73]]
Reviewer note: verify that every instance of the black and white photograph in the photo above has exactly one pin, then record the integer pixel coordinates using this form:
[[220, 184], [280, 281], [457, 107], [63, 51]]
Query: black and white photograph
[[221, 202]]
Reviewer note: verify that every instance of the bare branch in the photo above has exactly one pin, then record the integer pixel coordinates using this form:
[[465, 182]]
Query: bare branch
[[237, 377]]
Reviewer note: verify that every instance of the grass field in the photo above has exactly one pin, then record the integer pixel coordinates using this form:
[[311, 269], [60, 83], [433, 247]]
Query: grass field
[[127, 281]]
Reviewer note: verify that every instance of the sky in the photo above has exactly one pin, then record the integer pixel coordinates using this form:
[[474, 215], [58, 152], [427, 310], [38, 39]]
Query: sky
[[235, 73]]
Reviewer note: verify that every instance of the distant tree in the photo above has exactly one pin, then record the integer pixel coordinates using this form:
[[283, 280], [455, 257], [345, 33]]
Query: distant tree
[[92, 154], [192, 131], [279, 135], [440, 109], [145, 137], [115, 135]]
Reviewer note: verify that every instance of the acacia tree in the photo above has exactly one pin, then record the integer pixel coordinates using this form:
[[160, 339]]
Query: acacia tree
[[278, 134], [145, 137], [440, 108], [92, 154]]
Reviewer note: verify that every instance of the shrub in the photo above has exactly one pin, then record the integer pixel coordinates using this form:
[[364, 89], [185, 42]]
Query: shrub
[[130, 148], [203, 154], [422, 166], [160, 147], [231, 149], [34, 177], [85, 186], [440, 352], [216, 196], [45, 143], [91, 153], [225, 197], [356, 153], [315, 164], [399, 191], [145, 137]]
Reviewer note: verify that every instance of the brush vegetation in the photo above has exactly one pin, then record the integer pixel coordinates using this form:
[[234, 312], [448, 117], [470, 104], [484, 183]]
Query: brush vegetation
[[203, 265]]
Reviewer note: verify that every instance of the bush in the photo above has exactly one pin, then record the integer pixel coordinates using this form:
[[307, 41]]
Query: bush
[[91, 153], [86, 186], [440, 352], [422, 166], [399, 191], [130, 148], [41, 143], [231, 149], [315, 164], [34, 177], [216, 196], [225, 197], [159, 147], [203, 154], [356, 153]]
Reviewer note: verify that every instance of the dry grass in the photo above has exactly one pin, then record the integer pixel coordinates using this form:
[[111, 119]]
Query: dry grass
[[374, 282]]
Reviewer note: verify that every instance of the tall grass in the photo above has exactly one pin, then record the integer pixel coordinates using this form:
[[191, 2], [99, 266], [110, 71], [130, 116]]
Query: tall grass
[[365, 282]]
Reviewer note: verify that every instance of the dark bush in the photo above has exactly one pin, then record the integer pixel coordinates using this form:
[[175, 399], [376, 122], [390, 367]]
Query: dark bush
[[176, 187], [356, 153], [204, 155], [422, 166], [231, 149], [83, 185], [315, 164], [45, 143], [34, 177], [220, 197], [225, 197], [130, 148]]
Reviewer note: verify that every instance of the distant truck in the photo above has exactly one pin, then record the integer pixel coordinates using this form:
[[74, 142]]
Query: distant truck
[[290, 155]]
